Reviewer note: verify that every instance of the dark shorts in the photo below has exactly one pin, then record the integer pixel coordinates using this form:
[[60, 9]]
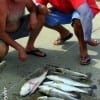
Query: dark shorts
[[22, 31]]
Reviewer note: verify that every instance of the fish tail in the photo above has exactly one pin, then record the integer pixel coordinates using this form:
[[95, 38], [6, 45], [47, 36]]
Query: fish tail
[[90, 92], [93, 87], [45, 73]]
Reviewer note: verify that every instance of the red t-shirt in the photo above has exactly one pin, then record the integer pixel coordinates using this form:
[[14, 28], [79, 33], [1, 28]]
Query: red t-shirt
[[92, 4], [68, 6]]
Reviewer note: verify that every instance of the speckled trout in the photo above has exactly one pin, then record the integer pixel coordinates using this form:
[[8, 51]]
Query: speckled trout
[[51, 91], [67, 88], [72, 74], [70, 81], [31, 86]]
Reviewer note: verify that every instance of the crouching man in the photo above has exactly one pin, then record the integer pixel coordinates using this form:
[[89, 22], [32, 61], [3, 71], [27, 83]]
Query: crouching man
[[14, 25]]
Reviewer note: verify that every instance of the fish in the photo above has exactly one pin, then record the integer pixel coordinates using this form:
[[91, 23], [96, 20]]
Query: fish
[[70, 81], [77, 75], [73, 73], [48, 98], [30, 86], [67, 88], [68, 75], [53, 92]]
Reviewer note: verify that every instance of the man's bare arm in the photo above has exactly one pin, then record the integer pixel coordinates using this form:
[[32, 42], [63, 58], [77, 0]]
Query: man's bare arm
[[33, 13], [5, 36]]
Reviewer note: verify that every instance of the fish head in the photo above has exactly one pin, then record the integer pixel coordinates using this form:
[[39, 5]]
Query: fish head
[[45, 89], [42, 98], [48, 82], [25, 90]]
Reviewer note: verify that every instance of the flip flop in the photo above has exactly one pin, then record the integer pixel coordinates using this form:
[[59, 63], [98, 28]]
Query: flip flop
[[62, 40], [36, 52], [87, 58]]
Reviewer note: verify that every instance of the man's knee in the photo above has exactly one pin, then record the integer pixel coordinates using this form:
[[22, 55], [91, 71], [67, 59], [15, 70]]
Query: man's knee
[[40, 22], [41, 18], [77, 23], [3, 49]]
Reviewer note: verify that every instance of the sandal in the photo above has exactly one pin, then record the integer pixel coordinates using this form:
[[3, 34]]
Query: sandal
[[62, 40], [85, 60], [36, 52]]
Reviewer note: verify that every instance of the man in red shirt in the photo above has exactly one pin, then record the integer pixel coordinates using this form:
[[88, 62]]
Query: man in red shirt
[[80, 14]]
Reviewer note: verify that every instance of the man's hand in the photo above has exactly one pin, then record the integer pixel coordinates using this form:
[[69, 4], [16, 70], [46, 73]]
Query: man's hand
[[22, 54]]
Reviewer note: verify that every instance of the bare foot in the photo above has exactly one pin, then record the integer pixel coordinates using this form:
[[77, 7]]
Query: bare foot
[[94, 43]]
